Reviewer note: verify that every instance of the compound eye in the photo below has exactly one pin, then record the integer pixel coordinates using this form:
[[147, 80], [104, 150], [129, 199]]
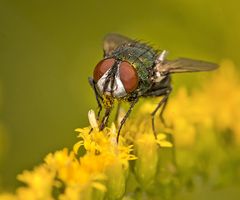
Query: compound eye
[[128, 76], [102, 67]]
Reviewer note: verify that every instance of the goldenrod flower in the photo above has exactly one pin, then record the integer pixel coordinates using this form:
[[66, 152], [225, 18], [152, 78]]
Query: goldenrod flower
[[216, 105], [111, 158], [145, 167], [39, 181], [189, 153]]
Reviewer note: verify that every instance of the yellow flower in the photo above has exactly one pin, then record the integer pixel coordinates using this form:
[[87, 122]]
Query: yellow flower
[[215, 105], [145, 167], [105, 155], [39, 182], [223, 93], [162, 140], [141, 165], [79, 175], [7, 196]]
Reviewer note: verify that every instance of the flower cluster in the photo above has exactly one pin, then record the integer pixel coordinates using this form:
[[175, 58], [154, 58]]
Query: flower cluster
[[215, 107], [205, 121], [80, 175]]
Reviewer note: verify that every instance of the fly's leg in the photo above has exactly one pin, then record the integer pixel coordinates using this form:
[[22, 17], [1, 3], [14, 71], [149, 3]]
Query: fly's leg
[[97, 96], [117, 113], [165, 92], [162, 104], [162, 111], [105, 118], [164, 107], [126, 116]]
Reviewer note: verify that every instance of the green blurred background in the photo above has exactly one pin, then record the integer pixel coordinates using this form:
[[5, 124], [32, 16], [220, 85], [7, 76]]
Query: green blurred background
[[48, 49]]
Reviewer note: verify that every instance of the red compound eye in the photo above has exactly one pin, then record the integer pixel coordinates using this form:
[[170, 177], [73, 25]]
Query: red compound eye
[[102, 67], [128, 76]]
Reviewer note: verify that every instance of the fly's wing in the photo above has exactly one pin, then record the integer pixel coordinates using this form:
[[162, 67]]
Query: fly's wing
[[113, 40], [186, 65]]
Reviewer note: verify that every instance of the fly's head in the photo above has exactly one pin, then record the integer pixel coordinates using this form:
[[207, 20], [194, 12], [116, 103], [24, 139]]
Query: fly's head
[[115, 79]]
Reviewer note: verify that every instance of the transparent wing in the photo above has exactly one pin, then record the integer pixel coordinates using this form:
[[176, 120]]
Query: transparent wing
[[113, 40], [186, 65]]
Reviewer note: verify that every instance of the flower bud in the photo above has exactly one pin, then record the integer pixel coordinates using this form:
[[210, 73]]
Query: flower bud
[[116, 179], [146, 165]]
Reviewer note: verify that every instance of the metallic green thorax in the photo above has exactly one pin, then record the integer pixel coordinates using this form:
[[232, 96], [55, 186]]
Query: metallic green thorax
[[142, 57]]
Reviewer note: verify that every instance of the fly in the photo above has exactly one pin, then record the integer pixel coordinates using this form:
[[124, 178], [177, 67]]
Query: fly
[[130, 70]]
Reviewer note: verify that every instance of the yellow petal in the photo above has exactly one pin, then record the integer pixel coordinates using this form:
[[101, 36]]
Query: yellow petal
[[165, 144], [99, 186], [77, 146]]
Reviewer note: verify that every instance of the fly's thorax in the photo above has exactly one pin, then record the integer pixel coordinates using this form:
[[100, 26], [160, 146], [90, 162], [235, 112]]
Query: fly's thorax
[[142, 57], [158, 76]]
